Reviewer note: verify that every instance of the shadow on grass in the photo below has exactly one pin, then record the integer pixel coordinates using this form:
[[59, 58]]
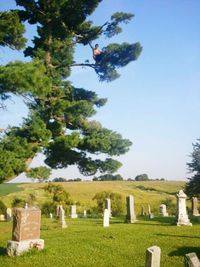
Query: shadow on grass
[[184, 250], [185, 236], [3, 251]]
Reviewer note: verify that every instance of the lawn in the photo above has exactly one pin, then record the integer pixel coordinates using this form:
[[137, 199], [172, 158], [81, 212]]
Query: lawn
[[85, 243], [6, 189]]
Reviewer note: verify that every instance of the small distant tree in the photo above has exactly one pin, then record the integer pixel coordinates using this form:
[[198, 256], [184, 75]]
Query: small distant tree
[[31, 199], [192, 188], [116, 202], [60, 179], [41, 173], [108, 177], [142, 177]]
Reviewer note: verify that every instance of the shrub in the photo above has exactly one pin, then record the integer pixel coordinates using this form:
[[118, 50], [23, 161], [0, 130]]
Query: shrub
[[2, 208], [116, 202], [18, 202]]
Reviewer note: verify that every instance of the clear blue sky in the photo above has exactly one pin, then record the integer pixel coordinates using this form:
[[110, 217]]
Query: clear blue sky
[[156, 101]]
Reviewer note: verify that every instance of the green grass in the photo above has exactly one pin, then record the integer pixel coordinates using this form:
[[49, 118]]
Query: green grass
[[6, 189], [85, 243]]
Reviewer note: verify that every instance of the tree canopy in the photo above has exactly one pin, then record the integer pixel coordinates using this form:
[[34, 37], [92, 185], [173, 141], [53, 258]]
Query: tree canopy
[[59, 122], [193, 186]]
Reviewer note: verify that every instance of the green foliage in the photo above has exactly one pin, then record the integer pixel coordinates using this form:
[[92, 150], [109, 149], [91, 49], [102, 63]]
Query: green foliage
[[48, 207], [11, 30], [59, 121], [2, 208], [193, 186], [117, 204], [108, 177], [18, 202], [31, 199], [142, 177], [58, 194], [41, 173]]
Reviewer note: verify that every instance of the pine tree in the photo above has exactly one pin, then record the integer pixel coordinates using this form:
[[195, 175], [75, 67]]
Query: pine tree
[[59, 121]]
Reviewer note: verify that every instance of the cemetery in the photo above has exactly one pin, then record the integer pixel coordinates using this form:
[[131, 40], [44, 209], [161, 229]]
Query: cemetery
[[81, 238]]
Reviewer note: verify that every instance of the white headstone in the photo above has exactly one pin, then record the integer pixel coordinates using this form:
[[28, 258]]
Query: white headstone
[[106, 218], [182, 216], [108, 206], [50, 215], [153, 257], [73, 212], [2, 217], [163, 210], [130, 217], [85, 213], [62, 218], [191, 260], [8, 214]]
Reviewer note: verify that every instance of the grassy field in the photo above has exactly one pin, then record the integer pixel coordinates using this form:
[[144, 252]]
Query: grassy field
[[6, 189], [151, 192], [85, 243]]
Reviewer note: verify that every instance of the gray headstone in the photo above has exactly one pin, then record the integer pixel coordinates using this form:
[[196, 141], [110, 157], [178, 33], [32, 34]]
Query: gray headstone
[[153, 257], [195, 211], [163, 210], [191, 260], [182, 216], [130, 217], [62, 218], [8, 214]]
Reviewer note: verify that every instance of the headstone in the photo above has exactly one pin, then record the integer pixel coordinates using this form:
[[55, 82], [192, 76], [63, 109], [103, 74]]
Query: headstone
[[8, 214], [58, 208], [149, 209], [182, 216], [50, 215], [26, 231], [151, 216], [106, 218], [108, 206], [62, 218], [153, 257], [2, 218], [195, 211], [142, 211], [163, 210], [85, 213], [73, 212], [26, 206], [191, 260], [130, 217]]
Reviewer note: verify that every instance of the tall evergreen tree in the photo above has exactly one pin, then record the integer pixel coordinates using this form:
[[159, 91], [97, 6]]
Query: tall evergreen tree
[[59, 121], [193, 186]]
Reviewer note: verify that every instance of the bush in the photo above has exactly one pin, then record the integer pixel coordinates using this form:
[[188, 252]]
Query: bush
[[2, 208], [116, 202], [18, 202], [142, 177]]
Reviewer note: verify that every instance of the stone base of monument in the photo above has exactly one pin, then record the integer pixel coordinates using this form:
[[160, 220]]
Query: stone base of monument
[[184, 223], [164, 214], [16, 248]]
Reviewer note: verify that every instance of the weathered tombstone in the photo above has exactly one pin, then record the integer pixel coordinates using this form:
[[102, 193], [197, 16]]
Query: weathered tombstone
[[191, 260], [2, 218], [85, 213], [106, 218], [26, 206], [153, 257], [50, 215], [26, 231], [108, 206], [163, 210], [62, 219], [142, 211], [182, 216], [8, 214], [73, 212], [151, 216], [195, 211], [130, 217], [58, 208]]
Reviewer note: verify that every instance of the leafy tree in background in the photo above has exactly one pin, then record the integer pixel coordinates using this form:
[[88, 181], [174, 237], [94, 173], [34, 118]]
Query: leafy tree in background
[[116, 202], [142, 177], [193, 186], [41, 173], [108, 177], [59, 123]]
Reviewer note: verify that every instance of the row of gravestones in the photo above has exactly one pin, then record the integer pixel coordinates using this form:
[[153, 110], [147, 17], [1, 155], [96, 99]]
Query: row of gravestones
[[26, 223]]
